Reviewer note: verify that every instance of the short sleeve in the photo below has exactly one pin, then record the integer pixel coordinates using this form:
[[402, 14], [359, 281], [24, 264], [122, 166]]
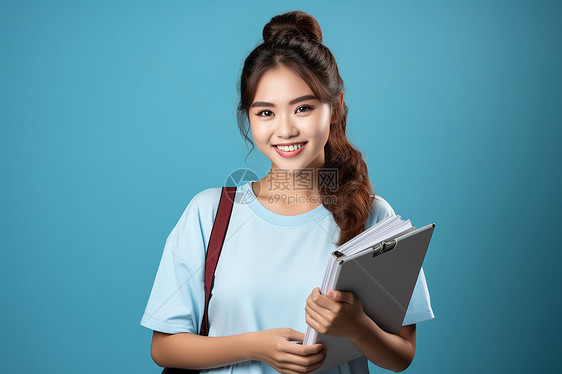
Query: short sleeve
[[419, 309], [380, 209], [176, 301]]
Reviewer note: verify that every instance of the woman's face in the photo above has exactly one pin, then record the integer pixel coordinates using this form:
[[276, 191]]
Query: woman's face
[[285, 111]]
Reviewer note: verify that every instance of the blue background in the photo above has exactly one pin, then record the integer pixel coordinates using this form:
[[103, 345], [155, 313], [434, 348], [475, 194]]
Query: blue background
[[115, 114]]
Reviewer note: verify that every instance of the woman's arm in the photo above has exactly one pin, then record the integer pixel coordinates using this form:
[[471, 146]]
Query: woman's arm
[[272, 346], [192, 351], [389, 351]]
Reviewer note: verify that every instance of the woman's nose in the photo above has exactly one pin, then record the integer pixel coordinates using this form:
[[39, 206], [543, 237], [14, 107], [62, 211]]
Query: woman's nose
[[286, 127]]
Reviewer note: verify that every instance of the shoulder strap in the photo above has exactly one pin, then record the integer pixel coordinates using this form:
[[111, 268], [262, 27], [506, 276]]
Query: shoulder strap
[[214, 248]]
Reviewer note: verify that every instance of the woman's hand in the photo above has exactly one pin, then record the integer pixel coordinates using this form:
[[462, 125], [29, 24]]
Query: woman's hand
[[273, 347], [336, 314]]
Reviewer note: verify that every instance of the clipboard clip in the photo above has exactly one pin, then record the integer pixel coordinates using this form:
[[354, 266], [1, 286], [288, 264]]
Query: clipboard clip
[[377, 249], [384, 247]]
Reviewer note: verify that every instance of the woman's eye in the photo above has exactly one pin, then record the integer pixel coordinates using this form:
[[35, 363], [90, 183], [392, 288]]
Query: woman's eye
[[259, 114], [308, 107]]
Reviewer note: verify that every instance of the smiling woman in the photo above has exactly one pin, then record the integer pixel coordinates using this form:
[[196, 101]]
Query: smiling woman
[[296, 78], [265, 287]]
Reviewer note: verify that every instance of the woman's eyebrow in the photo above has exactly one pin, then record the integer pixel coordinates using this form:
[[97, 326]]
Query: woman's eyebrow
[[294, 101]]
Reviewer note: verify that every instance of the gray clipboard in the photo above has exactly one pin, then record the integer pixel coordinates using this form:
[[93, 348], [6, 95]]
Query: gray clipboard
[[383, 277]]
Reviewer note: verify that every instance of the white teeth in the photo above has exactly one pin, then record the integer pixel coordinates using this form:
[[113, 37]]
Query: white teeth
[[290, 147]]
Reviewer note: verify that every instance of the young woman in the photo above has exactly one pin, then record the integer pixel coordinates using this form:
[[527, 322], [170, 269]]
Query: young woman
[[316, 196]]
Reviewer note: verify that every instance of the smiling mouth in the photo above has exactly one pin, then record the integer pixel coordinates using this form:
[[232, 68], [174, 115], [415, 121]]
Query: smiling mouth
[[290, 148]]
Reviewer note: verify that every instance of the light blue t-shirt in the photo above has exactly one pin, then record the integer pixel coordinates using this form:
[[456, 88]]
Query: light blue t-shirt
[[264, 274]]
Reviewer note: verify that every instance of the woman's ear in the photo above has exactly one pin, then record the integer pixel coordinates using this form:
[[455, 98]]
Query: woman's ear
[[336, 111]]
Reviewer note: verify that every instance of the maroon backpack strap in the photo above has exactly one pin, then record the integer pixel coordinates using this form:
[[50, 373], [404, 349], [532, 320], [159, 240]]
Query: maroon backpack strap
[[214, 248]]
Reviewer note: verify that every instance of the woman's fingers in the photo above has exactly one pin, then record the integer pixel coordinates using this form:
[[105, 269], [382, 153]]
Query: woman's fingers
[[302, 350], [305, 364]]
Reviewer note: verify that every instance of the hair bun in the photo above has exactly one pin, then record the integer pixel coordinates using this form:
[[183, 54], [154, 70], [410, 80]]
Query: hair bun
[[290, 24]]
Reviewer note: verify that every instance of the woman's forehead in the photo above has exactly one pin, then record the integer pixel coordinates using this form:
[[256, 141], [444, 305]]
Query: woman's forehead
[[282, 81]]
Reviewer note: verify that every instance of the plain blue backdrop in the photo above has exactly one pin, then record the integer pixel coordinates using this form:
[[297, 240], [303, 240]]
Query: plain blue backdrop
[[115, 114]]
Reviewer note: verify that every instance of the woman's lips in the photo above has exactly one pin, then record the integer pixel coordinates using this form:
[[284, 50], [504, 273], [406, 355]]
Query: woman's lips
[[289, 154]]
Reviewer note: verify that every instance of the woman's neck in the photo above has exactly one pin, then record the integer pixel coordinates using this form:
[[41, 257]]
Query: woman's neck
[[302, 182], [288, 194]]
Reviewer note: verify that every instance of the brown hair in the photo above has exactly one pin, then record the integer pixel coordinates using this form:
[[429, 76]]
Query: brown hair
[[294, 40]]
